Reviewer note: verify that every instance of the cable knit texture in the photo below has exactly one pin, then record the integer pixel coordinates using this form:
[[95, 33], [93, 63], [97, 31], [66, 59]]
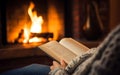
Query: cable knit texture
[[107, 61], [104, 61]]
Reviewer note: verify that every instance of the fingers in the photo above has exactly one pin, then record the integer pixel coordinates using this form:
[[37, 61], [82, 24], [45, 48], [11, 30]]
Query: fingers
[[55, 65], [51, 67], [63, 64]]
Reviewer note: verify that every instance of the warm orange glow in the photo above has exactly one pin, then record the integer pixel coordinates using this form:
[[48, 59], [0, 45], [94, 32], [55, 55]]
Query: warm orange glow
[[35, 39], [31, 23], [36, 21], [26, 34], [55, 22], [36, 26]]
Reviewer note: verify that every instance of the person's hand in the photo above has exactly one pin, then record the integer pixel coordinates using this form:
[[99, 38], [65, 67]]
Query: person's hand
[[57, 65]]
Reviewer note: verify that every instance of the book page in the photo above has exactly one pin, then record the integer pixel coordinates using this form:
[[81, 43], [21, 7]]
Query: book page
[[74, 45], [57, 51]]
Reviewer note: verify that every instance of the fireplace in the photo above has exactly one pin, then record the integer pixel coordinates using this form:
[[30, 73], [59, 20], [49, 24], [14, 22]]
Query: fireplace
[[19, 17]]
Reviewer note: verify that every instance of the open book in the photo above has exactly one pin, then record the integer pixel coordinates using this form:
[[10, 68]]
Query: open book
[[66, 49]]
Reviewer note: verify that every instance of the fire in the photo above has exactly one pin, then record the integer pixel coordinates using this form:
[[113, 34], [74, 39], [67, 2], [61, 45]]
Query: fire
[[36, 21], [36, 26], [26, 34]]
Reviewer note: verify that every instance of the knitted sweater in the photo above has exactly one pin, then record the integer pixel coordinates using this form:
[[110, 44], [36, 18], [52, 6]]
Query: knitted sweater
[[103, 60]]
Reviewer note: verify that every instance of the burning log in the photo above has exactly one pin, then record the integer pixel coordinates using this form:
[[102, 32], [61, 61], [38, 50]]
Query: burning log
[[43, 35], [46, 36]]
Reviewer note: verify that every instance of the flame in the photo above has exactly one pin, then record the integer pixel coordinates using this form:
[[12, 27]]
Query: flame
[[36, 21], [35, 39], [36, 26], [26, 34]]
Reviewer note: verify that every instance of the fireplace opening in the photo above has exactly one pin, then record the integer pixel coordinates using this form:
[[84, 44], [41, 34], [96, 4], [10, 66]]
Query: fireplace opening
[[33, 20], [33, 32]]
